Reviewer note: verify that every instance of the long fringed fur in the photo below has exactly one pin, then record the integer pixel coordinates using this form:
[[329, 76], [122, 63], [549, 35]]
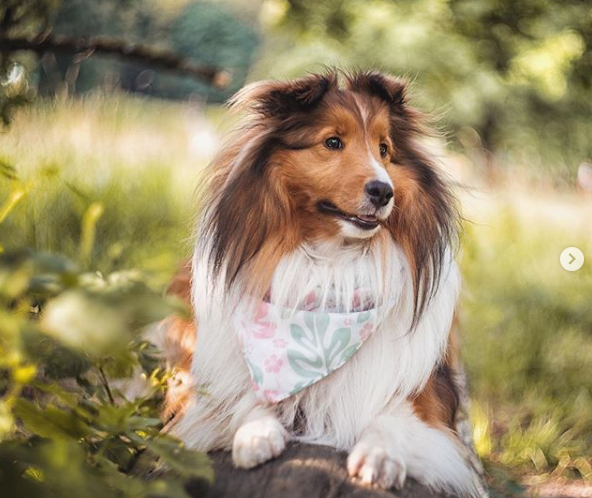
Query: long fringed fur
[[248, 212], [255, 239], [427, 222], [249, 222]]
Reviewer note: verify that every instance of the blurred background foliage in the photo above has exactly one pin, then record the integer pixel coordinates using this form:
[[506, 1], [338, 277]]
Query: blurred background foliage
[[205, 32], [511, 79], [100, 168]]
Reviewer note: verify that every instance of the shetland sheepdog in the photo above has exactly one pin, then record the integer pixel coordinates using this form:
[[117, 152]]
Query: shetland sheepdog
[[325, 186]]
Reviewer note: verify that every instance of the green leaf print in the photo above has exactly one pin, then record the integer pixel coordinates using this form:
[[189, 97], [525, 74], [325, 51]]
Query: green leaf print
[[301, 385], [256, 372], [339, 342], [305, 338], [305, 367], [348, 353], [318, 323]]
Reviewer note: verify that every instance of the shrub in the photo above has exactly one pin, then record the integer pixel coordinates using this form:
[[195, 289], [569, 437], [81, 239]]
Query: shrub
[[67, 337]]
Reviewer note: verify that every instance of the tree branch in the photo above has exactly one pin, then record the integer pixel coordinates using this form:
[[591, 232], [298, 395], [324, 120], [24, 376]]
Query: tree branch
[[114, 47]]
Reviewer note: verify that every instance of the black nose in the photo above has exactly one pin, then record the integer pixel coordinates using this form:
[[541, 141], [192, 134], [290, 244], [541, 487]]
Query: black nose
[[380, 193]]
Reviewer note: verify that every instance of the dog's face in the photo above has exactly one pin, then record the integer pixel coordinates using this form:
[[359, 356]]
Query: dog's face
[[316, 160], [337, 172]]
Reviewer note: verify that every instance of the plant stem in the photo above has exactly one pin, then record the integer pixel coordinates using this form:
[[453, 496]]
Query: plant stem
[[106, 385]]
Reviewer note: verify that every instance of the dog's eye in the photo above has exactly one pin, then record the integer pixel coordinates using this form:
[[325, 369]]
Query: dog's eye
[[334, 143], [383, 150]]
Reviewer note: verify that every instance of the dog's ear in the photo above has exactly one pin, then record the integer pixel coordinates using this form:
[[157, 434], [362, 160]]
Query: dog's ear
[[387, 88], [283, 98], [425, 219]]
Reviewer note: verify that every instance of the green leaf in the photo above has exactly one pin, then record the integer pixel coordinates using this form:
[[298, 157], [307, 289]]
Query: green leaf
[[6, 420], [58, 361], [115, 418], [149, 356], [187, 463], [69, 398], [50, 422], [167, 488], [44, 468], [136, 423], [14, 281], [84, 322], [7, 170], [117, 451], [14, 199]]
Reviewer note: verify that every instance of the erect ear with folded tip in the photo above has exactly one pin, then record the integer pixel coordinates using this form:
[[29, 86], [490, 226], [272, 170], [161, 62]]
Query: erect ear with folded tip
[[387, 88], [281, 98]]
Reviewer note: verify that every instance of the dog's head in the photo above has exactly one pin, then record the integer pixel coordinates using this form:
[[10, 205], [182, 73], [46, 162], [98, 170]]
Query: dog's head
[[315, 160]]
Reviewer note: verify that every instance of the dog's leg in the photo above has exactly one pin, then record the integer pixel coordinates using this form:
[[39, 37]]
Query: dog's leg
[[380, 455], [260, 437], [397, 443]]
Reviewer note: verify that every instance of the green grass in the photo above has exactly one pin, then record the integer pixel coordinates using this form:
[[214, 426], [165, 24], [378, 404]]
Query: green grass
[[109, 182], [527, 330], [123, 165]]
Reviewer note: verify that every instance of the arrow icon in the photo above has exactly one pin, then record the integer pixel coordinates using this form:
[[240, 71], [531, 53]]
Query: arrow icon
[[572, 259]]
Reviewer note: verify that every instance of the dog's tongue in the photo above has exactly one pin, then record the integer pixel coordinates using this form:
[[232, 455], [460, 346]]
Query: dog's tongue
[[367, 217]]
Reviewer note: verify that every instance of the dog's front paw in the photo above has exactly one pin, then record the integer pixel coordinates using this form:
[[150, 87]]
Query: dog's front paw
[[374, 464], [258, 441]]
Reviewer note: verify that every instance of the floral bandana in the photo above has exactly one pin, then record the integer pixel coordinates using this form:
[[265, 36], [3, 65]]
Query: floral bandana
[[287, 350]]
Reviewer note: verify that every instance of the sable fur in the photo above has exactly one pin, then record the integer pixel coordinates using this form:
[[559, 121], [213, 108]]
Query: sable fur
[[426, 220], [253, 219], [262, 231]]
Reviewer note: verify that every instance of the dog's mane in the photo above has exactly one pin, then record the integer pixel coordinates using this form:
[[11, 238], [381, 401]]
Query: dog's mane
[[248, 222]]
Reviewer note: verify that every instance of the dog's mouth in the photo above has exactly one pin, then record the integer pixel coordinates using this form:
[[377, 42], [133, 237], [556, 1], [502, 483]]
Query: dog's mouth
[[363, 221]]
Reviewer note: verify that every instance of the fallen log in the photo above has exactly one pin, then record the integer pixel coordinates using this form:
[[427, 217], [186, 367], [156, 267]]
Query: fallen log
[[312, 471], [302, 471]]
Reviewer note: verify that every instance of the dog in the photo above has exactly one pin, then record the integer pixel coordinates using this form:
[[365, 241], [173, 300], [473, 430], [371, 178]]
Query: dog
[[324, 189]]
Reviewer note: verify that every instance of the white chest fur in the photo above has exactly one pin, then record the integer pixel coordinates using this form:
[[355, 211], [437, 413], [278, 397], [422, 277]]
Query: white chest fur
[[391, 365]]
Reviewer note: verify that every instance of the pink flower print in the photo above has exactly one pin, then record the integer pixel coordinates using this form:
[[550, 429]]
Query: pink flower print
[[273, 364], [254, 386], [366, 331], [280, 343], [263, 329], [357, 301], [271, 395], [362, 300], [310, 302], [347, 322]]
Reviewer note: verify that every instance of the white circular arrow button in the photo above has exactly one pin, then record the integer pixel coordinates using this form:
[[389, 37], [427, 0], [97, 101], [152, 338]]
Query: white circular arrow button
[[571, 259]]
